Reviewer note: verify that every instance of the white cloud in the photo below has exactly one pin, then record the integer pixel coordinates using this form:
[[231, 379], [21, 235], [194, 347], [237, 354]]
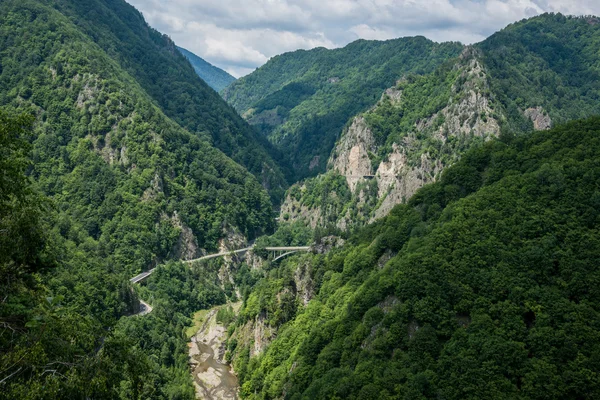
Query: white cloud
[[240, 35]]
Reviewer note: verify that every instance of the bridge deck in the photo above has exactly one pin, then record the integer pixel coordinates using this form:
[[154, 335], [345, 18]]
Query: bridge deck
[[140, 277], [292, 248]]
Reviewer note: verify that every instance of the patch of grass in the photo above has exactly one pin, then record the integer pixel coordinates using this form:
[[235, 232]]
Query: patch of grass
[[197, 321]]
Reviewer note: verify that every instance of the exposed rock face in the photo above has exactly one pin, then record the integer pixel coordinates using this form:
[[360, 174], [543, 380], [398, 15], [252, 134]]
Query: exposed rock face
[[541, 120], [387, 256], [254, 261], [266, 117], [351, 155], [156, 187], [187, 245], [327, 243], [261, 339], [232, 241], [472, 114], [314, 162], [393, 94], [305, 288], [469, 115], [255, 332], [293, 210], [89, 91], [398, 181]]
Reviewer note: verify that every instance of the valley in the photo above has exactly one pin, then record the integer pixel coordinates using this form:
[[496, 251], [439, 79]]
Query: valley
[[213, 378], [390, 219]]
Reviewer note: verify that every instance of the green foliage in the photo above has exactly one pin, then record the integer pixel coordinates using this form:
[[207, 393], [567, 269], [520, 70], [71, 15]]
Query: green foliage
[[314, 93], [548, 61], [215, 77], [121, 185], [287, 234], [153, 60], [482, 286], [225, 315]]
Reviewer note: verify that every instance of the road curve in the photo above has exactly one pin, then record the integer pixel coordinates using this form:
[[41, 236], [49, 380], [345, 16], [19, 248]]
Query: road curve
[[147, 308]]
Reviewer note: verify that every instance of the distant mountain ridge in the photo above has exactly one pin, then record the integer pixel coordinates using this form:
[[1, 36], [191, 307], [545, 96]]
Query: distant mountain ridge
[[529, 76], [215, 77], [301, 100]]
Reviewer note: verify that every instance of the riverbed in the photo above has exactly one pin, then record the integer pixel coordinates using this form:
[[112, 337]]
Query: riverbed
[[213, 377]]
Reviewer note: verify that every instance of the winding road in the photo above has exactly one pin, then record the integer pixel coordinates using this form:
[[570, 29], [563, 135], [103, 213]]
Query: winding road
[[147, 308], [287, 251]]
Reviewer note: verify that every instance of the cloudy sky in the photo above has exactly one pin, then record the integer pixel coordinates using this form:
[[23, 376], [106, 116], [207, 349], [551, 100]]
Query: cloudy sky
[[240, 35]]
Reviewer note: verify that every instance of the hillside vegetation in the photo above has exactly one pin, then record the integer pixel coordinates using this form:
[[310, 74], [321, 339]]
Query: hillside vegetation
[[454, 237], [99, 184], [482, 286], [529, 76], [302, 100], [153, 60]]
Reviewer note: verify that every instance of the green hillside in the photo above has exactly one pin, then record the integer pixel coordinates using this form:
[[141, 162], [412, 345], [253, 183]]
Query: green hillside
[[163, 73], [215, 77], [454, 238], [302, 100], [529, 76], [98, 184], [482, 286], [550, 61]]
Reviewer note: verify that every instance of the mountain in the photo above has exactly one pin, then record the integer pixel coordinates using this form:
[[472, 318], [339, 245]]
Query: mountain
[[214, 76], [482, 286], [519, 80], [464, 208], [111, 165], [302, 100], [165, 74]]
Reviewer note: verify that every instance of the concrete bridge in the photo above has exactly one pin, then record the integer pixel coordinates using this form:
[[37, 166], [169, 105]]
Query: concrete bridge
[[142, 276], [277, 252]]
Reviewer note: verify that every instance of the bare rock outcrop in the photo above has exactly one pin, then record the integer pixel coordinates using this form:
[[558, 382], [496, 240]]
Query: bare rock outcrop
[[541, 120], [305, 287], [399, 181], [351, 155], [187, 245], [231, 241], [266, 117], [155, 188], [327, 243], [293, 210], [381, 175]]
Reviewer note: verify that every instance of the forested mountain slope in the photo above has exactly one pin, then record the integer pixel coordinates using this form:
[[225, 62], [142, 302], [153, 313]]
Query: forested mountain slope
[[215, 77], [98, 184], [548, 63], [526, 77], [165, 74], [302, 100], [483, 286]]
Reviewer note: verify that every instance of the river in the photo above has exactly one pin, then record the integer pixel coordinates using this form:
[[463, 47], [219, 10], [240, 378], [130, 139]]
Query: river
[[213, 378]]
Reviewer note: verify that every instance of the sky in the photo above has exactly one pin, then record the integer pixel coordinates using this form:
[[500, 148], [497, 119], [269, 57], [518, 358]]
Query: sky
[[241, 35]]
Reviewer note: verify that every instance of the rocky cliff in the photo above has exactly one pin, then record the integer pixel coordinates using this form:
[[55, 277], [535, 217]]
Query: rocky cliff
[[419, 127]]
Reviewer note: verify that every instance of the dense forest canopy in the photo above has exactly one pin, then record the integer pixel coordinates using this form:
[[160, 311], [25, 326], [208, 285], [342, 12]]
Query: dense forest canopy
[[550, 61], [116, 158], [482, 286], [302, 100], [153, 60], [98, 184]]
